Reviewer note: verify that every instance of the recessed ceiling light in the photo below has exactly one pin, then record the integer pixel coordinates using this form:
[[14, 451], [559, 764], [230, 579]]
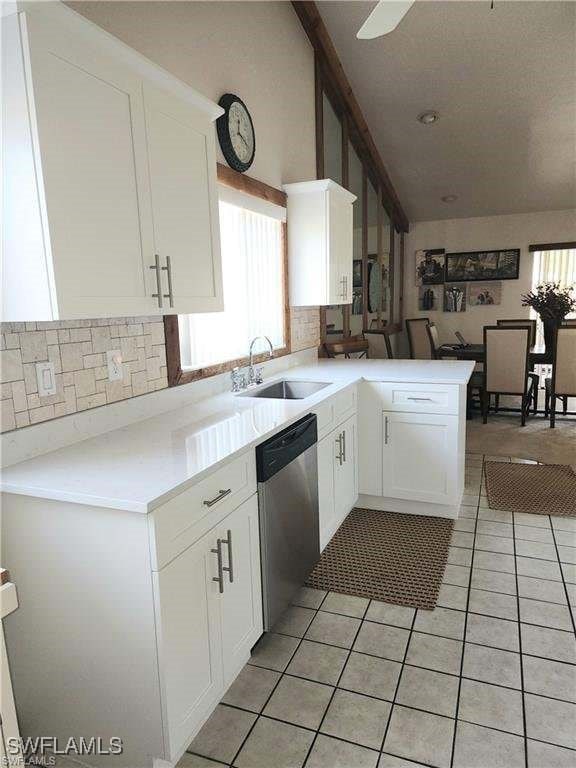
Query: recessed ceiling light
[[449, 198], [427, 118]]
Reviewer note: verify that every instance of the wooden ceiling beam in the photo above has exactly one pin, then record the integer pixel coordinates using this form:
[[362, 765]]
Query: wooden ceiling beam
[[315, 28]]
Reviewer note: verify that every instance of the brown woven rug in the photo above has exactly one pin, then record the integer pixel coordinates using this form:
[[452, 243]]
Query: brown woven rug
[[386, 556], [541, 489]]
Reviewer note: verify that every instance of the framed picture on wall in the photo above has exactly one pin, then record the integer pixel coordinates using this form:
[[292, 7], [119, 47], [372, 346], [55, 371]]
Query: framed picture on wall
[[484, 294], [430, 298], [483, 265], [455, 297], [430, 266]]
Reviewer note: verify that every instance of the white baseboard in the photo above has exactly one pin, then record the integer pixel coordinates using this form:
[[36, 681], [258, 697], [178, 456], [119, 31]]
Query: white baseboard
[[387, 504]]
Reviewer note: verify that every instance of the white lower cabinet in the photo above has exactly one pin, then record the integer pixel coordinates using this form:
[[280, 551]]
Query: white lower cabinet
[[208, 618], [337, 477], [419, 456]]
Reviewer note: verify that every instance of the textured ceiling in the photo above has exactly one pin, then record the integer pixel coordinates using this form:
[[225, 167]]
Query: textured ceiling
[[504, 83]]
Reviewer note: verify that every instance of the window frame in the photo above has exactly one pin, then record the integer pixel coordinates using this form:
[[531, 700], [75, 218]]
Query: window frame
[[176, 374]]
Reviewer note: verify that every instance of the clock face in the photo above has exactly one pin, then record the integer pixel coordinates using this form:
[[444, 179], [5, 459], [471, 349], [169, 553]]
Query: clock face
[[236, 133], [241, 132]]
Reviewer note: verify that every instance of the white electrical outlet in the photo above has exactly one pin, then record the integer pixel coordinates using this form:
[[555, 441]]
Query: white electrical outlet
[[46, 379], [114, 359]]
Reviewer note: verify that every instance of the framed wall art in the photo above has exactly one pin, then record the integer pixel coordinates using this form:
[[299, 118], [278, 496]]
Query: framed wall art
[[455, 297], [483, 265], [484, 294], [430, 266]]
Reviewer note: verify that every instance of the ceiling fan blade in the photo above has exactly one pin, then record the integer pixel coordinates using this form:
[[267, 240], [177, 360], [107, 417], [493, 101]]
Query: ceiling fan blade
[[384, 18]]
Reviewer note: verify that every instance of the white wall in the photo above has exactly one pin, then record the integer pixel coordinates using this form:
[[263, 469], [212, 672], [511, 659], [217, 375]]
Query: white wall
[[257, 50], [478, 234]]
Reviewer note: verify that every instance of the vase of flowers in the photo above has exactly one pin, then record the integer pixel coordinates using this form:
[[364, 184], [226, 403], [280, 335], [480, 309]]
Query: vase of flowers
[[552, 303]]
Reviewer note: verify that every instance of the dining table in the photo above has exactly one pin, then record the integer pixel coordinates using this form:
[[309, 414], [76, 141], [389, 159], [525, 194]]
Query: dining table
[[537, 354]]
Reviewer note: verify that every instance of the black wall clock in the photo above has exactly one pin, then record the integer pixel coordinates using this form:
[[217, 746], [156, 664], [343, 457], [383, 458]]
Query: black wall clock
[[236, 133]]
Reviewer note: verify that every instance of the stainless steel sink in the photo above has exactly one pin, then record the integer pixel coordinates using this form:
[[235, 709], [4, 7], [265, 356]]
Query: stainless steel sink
[[287, 390]]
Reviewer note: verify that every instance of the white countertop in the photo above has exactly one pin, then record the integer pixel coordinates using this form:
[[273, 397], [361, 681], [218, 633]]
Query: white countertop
[[141, 466]]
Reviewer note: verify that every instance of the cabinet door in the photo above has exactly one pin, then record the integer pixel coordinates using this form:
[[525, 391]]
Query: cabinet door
[[340, 248], [87, 112], [419, 457], [346, 471], [241, 602], [327, 451], [187, 604], [182, 156]]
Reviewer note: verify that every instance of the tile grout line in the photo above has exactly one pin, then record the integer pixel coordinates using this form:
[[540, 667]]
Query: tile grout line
[[399, 680], [523, 694], [570, 606], [337, 682], [454, 736]]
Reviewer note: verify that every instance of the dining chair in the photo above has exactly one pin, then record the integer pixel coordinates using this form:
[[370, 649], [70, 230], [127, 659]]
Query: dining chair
[[418, 339], [506, 361], [562, 384], [379, 345], [433, 340], [352, 346], [523, 322]]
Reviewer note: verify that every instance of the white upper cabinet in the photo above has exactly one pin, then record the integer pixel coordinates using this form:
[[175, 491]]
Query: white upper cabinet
[[182, 152], [320, 243], [106, 176]]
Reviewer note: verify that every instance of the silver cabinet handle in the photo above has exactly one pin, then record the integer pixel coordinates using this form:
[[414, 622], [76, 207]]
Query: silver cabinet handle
[[216, 499], [156, 266], [423, 399], [385, 430], [339, 455], [344, 445], [220, 577], [230, 568], [168, 270]]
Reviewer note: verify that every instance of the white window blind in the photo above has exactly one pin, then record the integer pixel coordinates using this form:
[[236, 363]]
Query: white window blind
[[252, 268], [555, 266]]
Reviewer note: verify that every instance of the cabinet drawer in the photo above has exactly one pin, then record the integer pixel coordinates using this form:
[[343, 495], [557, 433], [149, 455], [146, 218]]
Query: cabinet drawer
[[344, 403], [182, 520], [324, 418], [419, 398]]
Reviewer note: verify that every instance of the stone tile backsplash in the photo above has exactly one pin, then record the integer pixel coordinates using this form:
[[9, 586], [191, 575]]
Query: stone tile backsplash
[[78, 350]]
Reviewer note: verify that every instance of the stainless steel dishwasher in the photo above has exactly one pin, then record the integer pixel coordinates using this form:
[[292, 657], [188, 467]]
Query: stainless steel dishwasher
[[287, 468]]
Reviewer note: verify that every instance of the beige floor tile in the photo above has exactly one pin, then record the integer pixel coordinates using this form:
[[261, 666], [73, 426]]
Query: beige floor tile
[[251, 688], [437, 653], [491, 706], [300, 702], [294, 621], [274, 651], [223, 733], [386, 613], [333, 629], [382, 640], [492, 665], [370, 675], [498, 633], [348, 605], [441, 621], [431, 691], [479, 747], [493, 604], [548, 643], [328, 752], [420, 736], [551, 721], [549, 678], [288, 744], [357, 718], [319, 662]]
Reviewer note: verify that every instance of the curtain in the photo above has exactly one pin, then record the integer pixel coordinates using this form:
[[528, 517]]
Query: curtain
[[556, 266], [252, 268]]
